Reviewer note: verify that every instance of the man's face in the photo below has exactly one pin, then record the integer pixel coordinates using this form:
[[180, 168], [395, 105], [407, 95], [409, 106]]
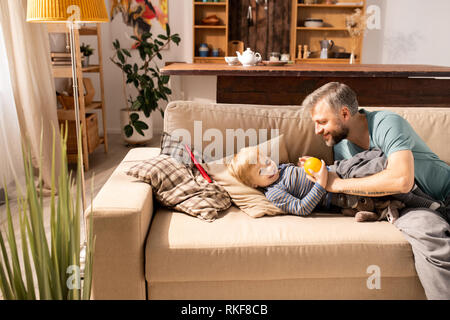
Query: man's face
[[328, 124]]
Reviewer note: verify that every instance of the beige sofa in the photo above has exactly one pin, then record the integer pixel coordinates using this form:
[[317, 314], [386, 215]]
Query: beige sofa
[[147, 252]]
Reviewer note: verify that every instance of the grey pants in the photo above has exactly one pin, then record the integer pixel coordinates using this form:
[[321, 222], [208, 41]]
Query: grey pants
[[428, 232]]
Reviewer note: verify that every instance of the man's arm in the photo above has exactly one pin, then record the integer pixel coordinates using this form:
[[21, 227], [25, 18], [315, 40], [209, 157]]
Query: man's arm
[[398, 177]]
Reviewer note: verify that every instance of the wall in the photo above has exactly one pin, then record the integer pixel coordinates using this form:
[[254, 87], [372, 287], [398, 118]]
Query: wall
[[412, 32]]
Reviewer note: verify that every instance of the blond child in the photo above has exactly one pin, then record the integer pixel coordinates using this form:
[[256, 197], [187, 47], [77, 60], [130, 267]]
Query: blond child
[[285, 185]]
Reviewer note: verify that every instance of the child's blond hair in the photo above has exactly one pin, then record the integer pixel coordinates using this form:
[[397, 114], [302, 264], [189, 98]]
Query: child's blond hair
[[239, 167]]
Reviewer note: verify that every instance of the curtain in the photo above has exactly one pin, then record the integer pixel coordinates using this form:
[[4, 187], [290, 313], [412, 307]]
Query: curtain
[[11, 163], [27, 49]]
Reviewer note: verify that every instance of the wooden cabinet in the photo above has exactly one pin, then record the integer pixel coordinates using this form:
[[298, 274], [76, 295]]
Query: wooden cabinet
[[334, 28], [88, 117], [93, 138], [216, 35]]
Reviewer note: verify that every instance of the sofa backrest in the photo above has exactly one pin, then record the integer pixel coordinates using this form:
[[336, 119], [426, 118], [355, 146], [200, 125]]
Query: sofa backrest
[[431, 124], [197, 118], [292, 121]]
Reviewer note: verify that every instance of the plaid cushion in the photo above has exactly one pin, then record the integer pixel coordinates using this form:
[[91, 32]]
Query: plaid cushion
[[185, 190], [172, 146]]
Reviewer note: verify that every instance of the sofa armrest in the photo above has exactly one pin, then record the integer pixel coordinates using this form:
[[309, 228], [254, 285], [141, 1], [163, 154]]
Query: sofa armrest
[[121, 213]]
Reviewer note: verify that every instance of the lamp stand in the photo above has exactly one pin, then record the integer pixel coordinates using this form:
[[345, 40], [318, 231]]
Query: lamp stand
[[72, 25]]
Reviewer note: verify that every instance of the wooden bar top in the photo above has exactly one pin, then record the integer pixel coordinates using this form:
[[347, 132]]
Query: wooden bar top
[[309, 70]]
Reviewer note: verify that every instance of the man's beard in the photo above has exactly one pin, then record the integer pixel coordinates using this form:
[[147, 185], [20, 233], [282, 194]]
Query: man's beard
[[338, 135]]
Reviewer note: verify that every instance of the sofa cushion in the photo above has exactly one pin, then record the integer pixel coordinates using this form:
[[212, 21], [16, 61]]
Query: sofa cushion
[[237, 247], [174, 147], [250, 200], [177, 186]]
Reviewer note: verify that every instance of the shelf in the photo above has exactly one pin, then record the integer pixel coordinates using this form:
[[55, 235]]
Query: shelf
[[321, 29], [62, 28], [209, 27], [209, 60], [330, 5], [69, 114], [88, 31], [215, 36], [93, 106], [329, 60], [334, 28], [66, 71], [91, 69], [199, 3]]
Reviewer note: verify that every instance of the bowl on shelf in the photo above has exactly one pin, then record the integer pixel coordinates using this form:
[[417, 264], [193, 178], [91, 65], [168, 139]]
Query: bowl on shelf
[[211, 20], [313, 23], [232, 61], [341, 55]]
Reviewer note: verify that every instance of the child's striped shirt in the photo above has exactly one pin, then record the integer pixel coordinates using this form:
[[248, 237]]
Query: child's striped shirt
[[293, 192]]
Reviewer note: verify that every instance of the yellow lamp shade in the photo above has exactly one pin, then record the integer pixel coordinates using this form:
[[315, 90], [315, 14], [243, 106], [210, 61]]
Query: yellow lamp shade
[[83, 11]]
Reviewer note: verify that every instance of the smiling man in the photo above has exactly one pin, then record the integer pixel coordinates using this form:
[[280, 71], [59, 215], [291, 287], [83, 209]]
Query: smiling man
[[334, 110]]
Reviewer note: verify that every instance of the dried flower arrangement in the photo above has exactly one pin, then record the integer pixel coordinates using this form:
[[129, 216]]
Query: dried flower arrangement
[[356, 25]]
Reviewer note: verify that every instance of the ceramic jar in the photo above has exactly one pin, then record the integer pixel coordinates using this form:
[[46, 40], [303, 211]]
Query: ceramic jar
[[203, 50]]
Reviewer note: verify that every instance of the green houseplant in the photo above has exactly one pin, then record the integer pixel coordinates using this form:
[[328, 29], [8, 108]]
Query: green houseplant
[[53, 269], [145, 77], [87, 51]]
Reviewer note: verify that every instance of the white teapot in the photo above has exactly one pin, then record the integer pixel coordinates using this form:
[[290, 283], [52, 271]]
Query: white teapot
[[248, 58]]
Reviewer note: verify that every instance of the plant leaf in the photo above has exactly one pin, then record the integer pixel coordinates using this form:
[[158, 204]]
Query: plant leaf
[[128, 130], [121, 57], [136, 105], [165, 79], [167, 29], [126, 52], [134, 117], [141, 125]]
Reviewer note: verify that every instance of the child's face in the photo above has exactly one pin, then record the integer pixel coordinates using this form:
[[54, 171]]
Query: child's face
[[265, 172]]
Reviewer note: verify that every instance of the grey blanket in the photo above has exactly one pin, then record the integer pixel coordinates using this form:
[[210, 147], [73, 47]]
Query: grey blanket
[[369, 162]]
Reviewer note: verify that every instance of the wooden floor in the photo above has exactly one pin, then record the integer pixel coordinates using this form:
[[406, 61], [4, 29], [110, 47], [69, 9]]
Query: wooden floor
[[101, 167]]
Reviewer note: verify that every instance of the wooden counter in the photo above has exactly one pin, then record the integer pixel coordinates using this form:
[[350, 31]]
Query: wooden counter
[[376, 85]]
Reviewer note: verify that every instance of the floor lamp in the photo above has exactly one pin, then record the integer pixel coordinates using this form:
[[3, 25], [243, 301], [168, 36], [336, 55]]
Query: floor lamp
[[71, 12]]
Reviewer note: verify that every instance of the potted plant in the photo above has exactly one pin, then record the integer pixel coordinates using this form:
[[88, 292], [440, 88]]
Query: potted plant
[[51, 266], [87, 51], [150, 86]]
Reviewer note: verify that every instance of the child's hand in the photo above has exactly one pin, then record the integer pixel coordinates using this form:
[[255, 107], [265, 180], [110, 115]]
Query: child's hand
[[301, 161], [321, 177]]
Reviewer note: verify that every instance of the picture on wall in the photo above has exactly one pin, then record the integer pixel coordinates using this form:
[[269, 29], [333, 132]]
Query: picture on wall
[[138, 17]]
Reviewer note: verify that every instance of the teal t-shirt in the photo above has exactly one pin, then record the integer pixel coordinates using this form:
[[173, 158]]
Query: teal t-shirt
[[390, 132]]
